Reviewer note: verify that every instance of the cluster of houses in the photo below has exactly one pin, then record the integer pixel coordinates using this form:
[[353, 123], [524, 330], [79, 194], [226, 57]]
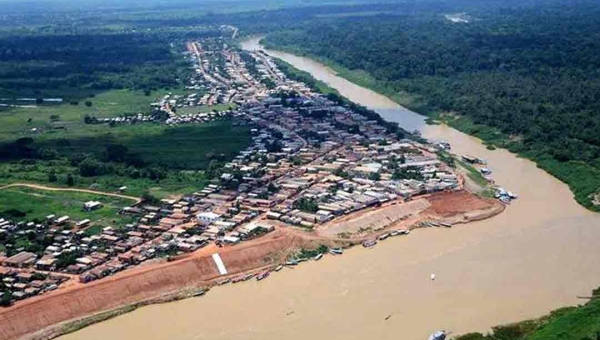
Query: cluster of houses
[[326, 162], [311, 161], [19, 284]]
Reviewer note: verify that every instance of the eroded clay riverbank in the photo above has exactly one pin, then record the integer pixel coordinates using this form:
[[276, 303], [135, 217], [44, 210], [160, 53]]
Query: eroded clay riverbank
[[536, 256]]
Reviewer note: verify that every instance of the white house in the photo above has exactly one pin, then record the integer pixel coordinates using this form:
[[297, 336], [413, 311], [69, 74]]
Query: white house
[[206, 218]]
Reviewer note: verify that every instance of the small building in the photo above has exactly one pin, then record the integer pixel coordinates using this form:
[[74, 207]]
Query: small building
[[91, 205], [20, 260], [207, 218], [62, 220], [83, 223]]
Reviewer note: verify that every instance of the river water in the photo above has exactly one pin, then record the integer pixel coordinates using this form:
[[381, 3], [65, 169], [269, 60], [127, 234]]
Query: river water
[[536, 256]]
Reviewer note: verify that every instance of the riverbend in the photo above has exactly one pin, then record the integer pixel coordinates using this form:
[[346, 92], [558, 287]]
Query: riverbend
[[536, 256]]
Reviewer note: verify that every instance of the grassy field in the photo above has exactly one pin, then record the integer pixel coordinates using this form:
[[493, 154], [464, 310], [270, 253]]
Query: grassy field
[[67, 120], [37, 204], [204, 109], [184, 151], [181, 147]]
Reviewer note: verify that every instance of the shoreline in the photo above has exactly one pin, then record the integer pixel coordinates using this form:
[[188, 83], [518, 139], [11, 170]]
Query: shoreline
[[165, 292], [406, 102]]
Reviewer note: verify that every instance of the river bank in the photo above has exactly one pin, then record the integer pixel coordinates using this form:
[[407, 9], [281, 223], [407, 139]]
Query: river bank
[[580, 177], [70, 310]]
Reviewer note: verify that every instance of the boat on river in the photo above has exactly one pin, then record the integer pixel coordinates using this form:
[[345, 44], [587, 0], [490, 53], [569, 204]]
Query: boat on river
[[318, 257], [336, 251], [291, 262], [224, 282], [263, 275], [279, 267], [439, 335], [384, 236], [369, 243]]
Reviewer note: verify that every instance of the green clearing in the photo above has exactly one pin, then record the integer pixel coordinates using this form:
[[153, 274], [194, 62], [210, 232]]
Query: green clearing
[[67, 120], [181, 147], [37, 204], [180, 150], [205, 109]]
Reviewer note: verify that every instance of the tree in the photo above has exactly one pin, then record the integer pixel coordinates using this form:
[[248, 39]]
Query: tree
[[90, 167], [88, 103], [70, 180], [116, 153], [374, 176], [148, 198], [306, 205], [6, 299], [52, 178]]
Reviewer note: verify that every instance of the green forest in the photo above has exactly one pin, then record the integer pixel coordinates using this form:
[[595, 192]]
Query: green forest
[[525, 78]]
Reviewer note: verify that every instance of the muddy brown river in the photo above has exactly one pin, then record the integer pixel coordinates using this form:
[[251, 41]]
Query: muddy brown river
[[536, 256]]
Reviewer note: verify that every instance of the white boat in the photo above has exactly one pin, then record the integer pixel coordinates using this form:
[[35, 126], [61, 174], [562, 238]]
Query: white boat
[[336, 251], [439, 335], [279, 267], [318, 257]]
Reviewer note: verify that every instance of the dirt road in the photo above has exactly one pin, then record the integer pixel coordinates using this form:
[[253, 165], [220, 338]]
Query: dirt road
[[43, 187]]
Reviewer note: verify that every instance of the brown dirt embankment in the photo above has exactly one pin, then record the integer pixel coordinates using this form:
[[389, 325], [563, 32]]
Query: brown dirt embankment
[[140, 284], [462, 207], [48, 315]]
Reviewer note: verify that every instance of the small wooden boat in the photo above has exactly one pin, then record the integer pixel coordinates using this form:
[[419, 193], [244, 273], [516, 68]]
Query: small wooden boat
[[369, 243], [439, 335], [224, 282], [237, 279], [199, 293], [336, 251], [262, 275]]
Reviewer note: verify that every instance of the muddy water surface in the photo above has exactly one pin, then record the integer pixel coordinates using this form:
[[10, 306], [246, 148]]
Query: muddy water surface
[[538, 255]]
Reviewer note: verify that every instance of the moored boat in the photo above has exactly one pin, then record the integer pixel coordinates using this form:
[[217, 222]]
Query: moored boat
[[318, 257], [223, 282], [369, 243], [263, 275], [439, 335], [199, 293], [237, 279], [384, 236], [279, 267], [248, 277], [336, 251], [291, 262]]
